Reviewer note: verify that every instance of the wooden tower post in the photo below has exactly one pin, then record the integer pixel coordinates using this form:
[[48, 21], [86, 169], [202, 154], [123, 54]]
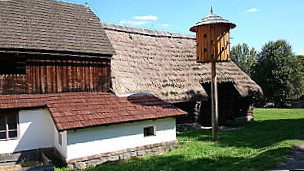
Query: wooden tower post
[[213, 45]]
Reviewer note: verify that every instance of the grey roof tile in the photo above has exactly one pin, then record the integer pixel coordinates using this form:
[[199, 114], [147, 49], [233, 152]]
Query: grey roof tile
[[213, 19], [53, 26]]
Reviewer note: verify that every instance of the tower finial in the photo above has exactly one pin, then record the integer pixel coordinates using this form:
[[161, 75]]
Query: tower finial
[[211, 10]]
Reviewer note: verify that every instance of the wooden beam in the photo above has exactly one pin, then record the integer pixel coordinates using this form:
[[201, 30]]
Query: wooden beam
[[214, 102]]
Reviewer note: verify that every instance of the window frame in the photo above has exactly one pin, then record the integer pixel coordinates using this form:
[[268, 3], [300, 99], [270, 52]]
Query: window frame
[[147, 134], [7, 130], [60, 138]]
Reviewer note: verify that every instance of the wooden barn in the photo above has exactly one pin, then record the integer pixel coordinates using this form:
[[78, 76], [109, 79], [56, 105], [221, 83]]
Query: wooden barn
[[55, 80], [52, 51], [164, 64]]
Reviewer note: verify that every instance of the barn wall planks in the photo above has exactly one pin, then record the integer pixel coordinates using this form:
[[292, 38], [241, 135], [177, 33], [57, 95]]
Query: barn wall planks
[[13, 84], [46, 75], [54, 76]]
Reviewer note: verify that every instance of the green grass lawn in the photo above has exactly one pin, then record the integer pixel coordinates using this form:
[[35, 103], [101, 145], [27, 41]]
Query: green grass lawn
[[260, 145]]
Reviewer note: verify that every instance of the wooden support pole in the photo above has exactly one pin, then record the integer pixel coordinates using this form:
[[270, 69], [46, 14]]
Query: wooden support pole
[[214, 102]]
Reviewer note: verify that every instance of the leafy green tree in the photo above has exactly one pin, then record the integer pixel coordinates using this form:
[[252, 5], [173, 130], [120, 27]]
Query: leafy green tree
[[244, 57], [278, 73], [300, 59]]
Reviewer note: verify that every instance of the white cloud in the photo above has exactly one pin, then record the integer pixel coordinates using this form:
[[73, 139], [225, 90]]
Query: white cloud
[[165, 25], [135, 23], [252, 10], [146, 17], [301, 53]]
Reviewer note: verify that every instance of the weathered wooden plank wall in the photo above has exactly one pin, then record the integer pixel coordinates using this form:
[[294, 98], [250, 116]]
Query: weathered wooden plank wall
[[47, 74], [54, 76], [13, 84]]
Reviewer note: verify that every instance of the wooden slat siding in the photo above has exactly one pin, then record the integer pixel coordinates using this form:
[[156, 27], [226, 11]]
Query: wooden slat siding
[[56, 82], [52, 76], [204, 42], [77, 76], [28, 78], [219, 33], [101, 79], [13, 84], [91, 76], [216, 41], [33, 78], [212, 40], [82, 76], [223, 42], [37, 75], [69, 74], [109, 76], [49, 77], [74, 76], [96, 75], [43, 78], [99, 74], [104, 73], [199, 44], [209, 48], [87, 72], [219, 43], [63, 75]]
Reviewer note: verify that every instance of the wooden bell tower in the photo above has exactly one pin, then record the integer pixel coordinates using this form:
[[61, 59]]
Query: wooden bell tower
[[212, 37], [213, 45]]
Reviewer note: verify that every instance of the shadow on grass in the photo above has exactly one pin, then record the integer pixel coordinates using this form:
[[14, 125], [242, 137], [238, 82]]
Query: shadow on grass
[[178, 162], [260, 135], [257, 134]]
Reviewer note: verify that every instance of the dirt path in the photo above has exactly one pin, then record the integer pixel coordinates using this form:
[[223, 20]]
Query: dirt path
[[295, 161]]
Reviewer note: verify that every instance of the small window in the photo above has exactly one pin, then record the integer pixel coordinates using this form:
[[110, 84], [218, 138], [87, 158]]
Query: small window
[[149, 131], [60, 138], [8, 125]]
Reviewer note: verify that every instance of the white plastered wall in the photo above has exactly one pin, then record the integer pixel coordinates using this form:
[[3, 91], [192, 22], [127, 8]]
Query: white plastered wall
[[36, 130], [91, 141]]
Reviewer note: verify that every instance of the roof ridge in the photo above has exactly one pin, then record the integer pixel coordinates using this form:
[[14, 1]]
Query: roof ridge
[[147, 32]]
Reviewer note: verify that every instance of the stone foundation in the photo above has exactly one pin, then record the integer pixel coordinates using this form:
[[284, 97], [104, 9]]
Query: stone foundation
[[243, 119], [187, 127], [95, 160]]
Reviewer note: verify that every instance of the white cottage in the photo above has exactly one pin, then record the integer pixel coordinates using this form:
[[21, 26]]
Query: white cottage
[[87, 129], [55, 75]]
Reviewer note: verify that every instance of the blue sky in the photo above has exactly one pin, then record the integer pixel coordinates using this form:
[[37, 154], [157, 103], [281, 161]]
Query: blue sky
[[258, 21]]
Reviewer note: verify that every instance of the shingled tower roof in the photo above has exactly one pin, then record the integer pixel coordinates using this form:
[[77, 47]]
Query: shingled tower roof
[[51, 26], [213, 19]]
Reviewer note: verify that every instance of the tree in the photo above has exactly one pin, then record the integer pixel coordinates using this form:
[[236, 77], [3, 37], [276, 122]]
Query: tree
[[244, 57], [300, 60], [278, 73]]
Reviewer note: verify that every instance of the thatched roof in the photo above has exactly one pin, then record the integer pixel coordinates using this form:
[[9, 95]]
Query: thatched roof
[[50, 26], [164, 64]]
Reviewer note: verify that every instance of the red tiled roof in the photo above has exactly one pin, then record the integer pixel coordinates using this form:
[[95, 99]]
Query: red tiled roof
[[85, 109]]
